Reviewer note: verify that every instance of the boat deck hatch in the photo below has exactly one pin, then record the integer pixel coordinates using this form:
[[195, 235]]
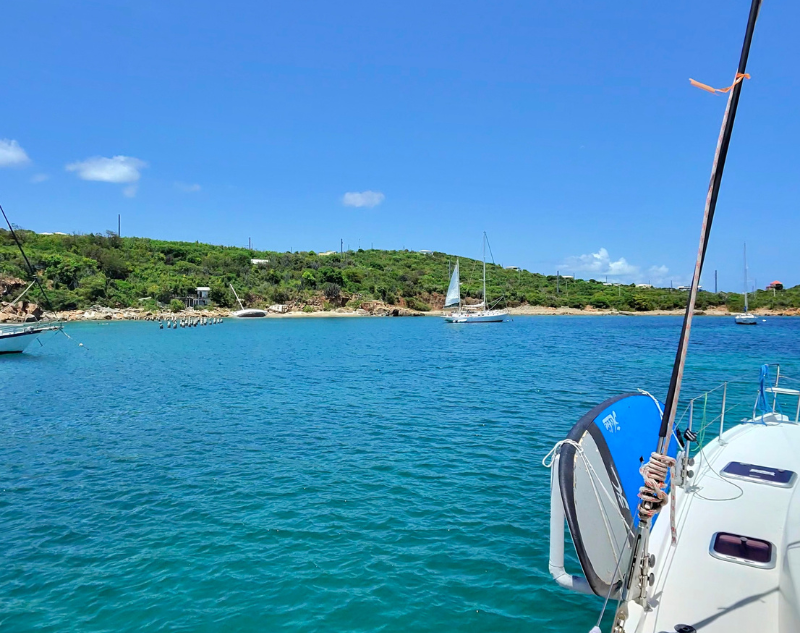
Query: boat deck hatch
[[760, 474], [744, 550]]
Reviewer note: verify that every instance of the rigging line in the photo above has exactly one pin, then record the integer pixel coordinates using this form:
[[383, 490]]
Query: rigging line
[[490, 247], [593, 476], [27, 261]]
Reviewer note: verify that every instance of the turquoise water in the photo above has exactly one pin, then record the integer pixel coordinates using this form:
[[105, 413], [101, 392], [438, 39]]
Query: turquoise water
[[314, 474]]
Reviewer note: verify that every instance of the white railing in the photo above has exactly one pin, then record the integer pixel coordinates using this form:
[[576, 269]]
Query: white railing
[[740, 392]]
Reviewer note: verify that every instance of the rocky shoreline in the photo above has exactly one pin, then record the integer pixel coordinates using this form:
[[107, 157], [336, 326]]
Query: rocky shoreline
[[27, 312]]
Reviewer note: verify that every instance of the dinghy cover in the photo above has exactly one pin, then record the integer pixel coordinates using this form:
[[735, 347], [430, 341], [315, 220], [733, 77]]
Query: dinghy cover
[[600, 483]]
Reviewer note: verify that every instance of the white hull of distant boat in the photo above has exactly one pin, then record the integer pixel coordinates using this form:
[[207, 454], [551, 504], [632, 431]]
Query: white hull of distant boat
[[248, 313], [16, 339], [486, 316], [746, 318]]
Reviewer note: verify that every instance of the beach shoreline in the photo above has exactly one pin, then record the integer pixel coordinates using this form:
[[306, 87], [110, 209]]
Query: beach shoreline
[[98, 313]]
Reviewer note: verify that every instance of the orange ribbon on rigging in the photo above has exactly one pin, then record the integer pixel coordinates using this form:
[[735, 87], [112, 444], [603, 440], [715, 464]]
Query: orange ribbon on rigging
[[739, 77]]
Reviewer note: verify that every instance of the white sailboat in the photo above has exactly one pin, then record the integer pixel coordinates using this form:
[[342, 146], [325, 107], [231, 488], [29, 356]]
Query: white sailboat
[[14, 339], [745, 318], [246, 312], [685, 538], [476, 313]]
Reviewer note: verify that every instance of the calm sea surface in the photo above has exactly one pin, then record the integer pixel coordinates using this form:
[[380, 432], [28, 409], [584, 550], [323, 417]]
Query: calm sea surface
[[314, 474]]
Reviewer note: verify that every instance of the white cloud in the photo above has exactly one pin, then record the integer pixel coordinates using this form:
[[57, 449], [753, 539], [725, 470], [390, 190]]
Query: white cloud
[[600, 265], [37, 178], [119, 169], [130, 191], [12, 154], [187, 187], [363, 199]]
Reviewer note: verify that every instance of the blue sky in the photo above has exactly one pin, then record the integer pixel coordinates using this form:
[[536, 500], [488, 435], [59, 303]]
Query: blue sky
[[568, 131]]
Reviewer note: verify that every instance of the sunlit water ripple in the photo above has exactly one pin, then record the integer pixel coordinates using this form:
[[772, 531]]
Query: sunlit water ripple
[[314, 474]]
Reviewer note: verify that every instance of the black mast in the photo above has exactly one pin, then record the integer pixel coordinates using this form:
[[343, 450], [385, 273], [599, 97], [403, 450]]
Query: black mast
[[639, 570], [673, 394]]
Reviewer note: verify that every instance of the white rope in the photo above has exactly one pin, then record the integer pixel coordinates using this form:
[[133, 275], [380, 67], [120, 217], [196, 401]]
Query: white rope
[[652, 494]]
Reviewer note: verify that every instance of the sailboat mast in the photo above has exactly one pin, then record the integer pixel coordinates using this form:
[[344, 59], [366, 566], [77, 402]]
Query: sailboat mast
[[459, 285], [636, 578], [485, 305], [745, 278], [720, 156]]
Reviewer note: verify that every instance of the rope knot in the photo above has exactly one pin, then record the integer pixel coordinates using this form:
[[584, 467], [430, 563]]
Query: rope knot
[[652, 494]]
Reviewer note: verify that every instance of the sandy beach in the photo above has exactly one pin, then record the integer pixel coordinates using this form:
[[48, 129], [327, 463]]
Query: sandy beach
[[98, 313]]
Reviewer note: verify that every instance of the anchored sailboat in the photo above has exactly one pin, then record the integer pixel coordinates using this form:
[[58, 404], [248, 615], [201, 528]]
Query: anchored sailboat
[[14, 339], [475, 313], [724, 556], [745, 318]]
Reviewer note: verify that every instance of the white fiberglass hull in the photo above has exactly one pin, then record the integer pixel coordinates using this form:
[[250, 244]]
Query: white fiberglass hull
[[15, 341], [249, 313], [729, 592], [485, 316], [746, 319]]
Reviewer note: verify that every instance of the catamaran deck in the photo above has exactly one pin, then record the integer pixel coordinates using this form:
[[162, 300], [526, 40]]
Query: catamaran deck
[[697, 586]]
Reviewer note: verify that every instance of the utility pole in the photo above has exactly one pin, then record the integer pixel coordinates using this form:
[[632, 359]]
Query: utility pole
[[558, 285], [119, 225], [715, 282], [341, 247]]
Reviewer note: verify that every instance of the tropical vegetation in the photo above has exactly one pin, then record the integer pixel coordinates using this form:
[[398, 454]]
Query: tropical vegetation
[[79, 271]]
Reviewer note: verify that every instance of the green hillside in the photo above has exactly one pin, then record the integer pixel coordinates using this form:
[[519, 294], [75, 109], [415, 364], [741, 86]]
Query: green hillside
[[84, 270]]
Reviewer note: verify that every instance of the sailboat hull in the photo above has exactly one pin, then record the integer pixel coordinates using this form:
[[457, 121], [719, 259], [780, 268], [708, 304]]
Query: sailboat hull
[[487, 316], [16, 340], [746, 319]]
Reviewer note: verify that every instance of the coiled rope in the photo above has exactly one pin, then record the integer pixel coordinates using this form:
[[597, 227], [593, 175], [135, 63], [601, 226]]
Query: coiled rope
[[652, 494]]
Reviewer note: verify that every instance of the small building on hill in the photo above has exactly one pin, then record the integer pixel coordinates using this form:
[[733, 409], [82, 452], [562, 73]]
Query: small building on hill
[[775, 285]]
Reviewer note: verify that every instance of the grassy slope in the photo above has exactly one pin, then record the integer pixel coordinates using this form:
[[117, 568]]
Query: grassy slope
[[82, 270]]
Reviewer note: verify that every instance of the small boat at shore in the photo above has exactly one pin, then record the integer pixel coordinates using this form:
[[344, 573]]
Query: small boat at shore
[[476, 313], [745, 318], [246, 313]]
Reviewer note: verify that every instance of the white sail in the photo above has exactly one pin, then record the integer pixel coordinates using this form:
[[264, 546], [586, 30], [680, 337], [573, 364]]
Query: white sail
[[453, 291]]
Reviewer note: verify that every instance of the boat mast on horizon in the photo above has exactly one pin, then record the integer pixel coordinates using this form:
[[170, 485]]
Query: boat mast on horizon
[[475, 313], [746, 318]]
